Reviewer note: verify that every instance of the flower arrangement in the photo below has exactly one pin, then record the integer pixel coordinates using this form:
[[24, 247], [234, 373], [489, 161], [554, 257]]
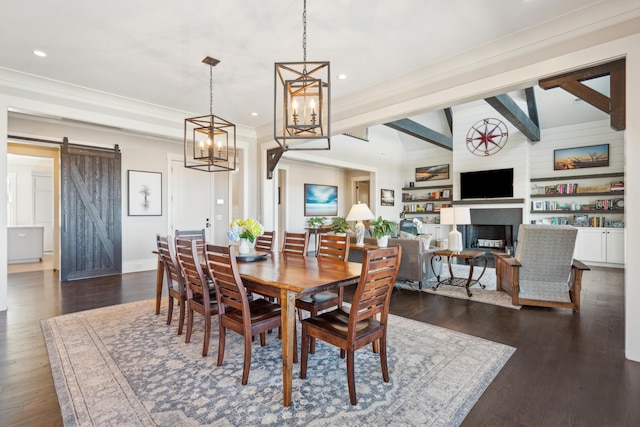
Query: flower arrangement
[[244, 229]]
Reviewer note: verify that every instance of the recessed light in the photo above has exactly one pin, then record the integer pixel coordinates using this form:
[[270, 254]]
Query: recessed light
[[39, 53], [342, 76], [254, 114]]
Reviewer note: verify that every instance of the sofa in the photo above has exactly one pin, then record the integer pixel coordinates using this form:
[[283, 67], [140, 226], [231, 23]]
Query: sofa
[[415, 265]]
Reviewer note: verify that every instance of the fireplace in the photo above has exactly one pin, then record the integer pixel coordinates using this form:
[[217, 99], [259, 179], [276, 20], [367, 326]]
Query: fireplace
[[492, 230]]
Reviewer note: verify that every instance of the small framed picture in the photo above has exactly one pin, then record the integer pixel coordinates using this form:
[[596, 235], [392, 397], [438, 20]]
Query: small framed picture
[[429, 207], [446, 194], [538, 206], [581, 220], [387, 197]]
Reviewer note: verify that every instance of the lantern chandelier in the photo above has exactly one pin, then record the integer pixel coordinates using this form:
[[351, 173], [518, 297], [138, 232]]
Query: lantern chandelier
[[209, 141], [302, 104]]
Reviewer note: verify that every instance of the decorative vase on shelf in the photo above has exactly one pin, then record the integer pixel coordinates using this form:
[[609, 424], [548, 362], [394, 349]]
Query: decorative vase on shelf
[[244, 247]]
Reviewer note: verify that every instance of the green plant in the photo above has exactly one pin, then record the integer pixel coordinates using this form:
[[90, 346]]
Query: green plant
[[315, 221], [382, 227], [339, 224]]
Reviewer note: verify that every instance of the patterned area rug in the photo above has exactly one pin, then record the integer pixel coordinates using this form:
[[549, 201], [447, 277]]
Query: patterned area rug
[[122, 365], [488, 295]]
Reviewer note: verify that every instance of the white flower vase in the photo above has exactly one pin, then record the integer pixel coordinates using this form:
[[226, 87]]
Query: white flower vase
[[244, 247], [383, 241]]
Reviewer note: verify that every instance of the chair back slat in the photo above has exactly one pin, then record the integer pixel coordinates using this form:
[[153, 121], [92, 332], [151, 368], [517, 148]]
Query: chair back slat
[[295, 243], [197, 235], [379, 272], [194, 278], [264, 242], [333, 246], [222, 267], [168, 258]]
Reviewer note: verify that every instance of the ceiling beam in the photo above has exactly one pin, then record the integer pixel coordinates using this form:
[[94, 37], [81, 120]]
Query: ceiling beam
[[614, 105], [419, 131], [506, 106], [448, 113], [532, 105]]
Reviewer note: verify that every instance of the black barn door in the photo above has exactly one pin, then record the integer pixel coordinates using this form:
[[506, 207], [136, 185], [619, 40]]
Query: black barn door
[[91, 229]]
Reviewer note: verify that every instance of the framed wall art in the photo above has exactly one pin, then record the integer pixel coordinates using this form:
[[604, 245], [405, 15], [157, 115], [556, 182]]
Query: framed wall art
[[387, 197], [432, 173], [145, 193], [320, 200], [592, 156]]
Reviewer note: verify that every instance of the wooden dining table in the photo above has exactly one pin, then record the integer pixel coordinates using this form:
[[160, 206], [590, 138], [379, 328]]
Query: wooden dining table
[[288, 278]]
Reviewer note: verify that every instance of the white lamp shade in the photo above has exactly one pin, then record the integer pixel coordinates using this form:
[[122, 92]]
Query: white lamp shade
[[455, 216], [360, 212]]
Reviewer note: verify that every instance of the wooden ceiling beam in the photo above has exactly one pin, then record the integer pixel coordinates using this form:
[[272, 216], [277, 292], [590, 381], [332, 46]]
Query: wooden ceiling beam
[[419, 131], [506, 106], [614, 105]]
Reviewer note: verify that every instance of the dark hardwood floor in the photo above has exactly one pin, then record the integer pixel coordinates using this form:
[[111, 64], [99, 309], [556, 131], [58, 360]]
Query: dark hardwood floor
[[569, 369]]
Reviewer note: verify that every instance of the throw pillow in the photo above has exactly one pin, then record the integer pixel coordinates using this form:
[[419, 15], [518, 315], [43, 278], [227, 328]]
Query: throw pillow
[[425, 239], [405, 235]]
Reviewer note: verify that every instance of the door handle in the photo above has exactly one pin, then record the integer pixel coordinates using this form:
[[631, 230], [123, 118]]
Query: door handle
[[208, 224]]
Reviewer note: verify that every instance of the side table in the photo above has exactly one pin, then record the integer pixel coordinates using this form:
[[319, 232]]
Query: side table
[[470, 257]]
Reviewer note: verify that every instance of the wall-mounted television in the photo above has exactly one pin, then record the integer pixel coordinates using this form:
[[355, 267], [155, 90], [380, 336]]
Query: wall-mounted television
[[488, 184]]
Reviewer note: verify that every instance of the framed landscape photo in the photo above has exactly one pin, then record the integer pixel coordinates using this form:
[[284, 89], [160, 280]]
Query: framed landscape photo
[[145, 193], [320, 200], [432, 173], [387, 197], [592, 156]]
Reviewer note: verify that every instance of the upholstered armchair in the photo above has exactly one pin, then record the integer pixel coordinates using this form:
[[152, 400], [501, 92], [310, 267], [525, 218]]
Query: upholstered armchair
[[543, 271]]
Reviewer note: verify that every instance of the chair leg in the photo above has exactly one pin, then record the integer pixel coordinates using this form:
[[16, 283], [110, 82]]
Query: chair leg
[[187, 338], [304, 353], [221, 342], [295, 343], [247, 358], [383, 359], [170, 310], [207, 333], [263, 340], [181, 320], [312, 345], [351, 380]]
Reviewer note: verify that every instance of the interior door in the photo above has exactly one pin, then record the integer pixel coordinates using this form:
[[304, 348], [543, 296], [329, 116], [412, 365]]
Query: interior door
[[191, 199], [91, 232], [43, 207]]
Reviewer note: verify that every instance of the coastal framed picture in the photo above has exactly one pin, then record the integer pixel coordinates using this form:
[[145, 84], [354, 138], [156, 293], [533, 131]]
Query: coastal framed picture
[[320, 200], [387, 197], [145, 193], [432, 173], [592, 156]]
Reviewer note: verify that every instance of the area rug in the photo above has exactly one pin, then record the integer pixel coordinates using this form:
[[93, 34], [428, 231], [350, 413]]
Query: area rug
[[488, 295], [122, 365]]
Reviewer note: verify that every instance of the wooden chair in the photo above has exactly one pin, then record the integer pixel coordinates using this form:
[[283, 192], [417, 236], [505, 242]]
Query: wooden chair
[[197, 235], [354, 328], [331, 247], [236, 312], [199, 298], [295, 243], [175, 282], [543, 271], [264, 242]]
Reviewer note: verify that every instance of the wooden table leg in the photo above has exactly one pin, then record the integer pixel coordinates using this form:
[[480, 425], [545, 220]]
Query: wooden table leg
[[159, 282], [287, 304]]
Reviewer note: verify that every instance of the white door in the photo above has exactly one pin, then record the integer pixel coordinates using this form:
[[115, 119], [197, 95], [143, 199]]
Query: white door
[[191, 199], [43, 207], [592, 244], [615, 246]]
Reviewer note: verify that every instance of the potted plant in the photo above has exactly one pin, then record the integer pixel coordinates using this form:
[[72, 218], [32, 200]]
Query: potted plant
[[315, 221], [339, 225], [382, 229]]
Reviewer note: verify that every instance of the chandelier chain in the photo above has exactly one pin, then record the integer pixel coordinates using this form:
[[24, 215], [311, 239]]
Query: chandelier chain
[[304, 36], [211, 90]]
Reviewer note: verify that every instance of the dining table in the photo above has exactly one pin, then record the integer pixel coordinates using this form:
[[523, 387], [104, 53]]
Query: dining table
[[288, 278]]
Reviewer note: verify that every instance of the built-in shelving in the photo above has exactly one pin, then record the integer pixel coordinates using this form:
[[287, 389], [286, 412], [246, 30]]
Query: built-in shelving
[[426, 200]]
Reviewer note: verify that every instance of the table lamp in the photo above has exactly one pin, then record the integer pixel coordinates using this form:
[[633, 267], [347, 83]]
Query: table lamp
[[455, 216], [359, 212]]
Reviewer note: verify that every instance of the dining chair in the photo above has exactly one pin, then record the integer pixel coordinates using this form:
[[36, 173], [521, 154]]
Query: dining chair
[[353, 328], [265, 241], [236, 312], [295, 243], [199, 294], [331, 247], [197, 235], [175, 282]]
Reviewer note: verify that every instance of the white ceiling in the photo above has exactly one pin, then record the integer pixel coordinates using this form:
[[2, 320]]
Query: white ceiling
[[152, 50]]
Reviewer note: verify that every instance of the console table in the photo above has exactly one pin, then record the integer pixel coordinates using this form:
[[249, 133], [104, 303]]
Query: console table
[[470, 257]]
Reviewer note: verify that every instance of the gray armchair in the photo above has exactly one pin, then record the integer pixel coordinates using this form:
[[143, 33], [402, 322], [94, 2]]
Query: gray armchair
[[543, 271]]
